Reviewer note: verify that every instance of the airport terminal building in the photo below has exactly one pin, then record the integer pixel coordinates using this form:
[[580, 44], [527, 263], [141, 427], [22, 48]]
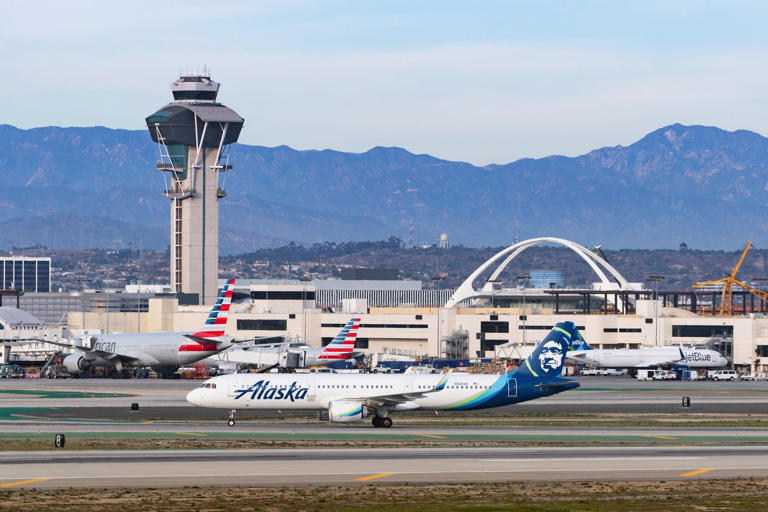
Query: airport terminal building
[[402, 321]]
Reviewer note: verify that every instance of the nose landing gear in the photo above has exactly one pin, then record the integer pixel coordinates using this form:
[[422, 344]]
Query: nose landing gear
[[231, 419]]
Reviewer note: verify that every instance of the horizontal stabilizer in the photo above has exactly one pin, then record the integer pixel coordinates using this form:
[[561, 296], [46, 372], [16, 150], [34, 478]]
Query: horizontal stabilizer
[[560, 385], [202, 341]]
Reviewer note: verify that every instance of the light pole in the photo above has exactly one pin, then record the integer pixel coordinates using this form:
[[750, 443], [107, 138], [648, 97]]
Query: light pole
[[654, 280], [493, 291], [436, 279], [303, 307], [522, 282]]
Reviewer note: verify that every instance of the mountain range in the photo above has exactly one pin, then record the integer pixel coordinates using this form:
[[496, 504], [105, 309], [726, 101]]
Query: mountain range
[[97, 187]]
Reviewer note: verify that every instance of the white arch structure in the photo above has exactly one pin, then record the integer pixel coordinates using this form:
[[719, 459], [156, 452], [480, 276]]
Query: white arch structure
[[595, 262]]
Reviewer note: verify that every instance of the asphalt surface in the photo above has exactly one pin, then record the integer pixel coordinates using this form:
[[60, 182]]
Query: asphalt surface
[[166, 399], [358, 466]]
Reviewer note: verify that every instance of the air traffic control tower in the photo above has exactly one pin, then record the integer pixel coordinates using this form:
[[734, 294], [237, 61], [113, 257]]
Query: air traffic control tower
[[193, 135]]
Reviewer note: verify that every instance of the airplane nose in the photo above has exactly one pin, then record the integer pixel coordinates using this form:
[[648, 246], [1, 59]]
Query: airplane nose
[[193, 397]]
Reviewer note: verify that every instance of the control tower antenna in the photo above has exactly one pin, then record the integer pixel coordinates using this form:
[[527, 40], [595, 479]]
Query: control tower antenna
[[194, 134]]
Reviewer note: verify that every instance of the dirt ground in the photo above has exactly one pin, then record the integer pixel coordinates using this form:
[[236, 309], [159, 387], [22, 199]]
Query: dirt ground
[[666, 496]]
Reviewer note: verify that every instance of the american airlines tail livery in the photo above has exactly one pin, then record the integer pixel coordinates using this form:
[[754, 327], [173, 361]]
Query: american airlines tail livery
[[344, 398], [163, 351], [291, 355]]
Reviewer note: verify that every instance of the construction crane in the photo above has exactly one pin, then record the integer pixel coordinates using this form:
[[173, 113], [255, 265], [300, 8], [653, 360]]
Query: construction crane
[[726, 297]]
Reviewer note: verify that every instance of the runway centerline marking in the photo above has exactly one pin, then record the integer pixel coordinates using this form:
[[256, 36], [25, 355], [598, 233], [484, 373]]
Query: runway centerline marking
[[567, 459], [697, 472], [372, 477], [22, 482]]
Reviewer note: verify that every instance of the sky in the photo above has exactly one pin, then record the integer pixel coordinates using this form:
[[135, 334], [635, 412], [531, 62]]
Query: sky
[[483, 82]]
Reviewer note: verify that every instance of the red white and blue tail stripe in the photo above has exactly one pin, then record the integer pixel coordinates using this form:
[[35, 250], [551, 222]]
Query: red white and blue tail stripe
[[344, 343], [217, 318]]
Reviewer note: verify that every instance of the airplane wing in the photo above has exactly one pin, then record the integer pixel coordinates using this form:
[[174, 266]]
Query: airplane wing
[[92, 354], [62, 344], [398, 398], [264, 341]]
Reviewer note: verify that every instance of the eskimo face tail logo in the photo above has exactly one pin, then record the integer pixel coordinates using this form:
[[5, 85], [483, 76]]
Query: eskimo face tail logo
[[548, 358]]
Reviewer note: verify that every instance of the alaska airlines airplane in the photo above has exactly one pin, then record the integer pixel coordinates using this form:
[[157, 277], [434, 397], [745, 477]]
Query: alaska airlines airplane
[[661, 357], [289, 355], [344, 398], [165, 351]]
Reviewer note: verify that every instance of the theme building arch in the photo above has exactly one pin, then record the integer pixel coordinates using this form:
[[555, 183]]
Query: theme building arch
[[596, 263]]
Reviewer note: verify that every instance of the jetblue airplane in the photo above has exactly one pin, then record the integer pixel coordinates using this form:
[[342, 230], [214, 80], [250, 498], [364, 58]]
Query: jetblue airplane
[[656, 357], [344, 398], [290, 355], [164, 351]]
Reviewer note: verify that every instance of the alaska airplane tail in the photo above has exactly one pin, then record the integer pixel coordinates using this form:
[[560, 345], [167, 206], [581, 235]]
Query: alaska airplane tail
[[216, 322], [342, 346], [547, 359]]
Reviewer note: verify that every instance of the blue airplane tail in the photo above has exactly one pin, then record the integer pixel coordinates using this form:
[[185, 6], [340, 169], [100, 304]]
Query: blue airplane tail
[[548, 357]]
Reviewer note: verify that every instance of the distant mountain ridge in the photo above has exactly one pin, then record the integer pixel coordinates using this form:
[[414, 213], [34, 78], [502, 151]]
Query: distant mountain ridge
[[697, 184]]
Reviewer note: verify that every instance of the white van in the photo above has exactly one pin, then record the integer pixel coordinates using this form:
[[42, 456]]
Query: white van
[[724, 375]]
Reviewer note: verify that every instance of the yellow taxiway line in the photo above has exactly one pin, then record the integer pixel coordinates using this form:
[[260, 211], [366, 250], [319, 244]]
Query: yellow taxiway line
[[697, 472], [22, 482], [371, 477]]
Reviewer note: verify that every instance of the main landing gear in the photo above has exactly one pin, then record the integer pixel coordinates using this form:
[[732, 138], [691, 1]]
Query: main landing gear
[[380, 422], [231, 419]]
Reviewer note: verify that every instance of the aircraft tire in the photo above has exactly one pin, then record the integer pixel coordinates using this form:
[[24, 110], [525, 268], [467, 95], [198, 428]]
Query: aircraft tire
[[231, 422], [376, 421], [386, 422]]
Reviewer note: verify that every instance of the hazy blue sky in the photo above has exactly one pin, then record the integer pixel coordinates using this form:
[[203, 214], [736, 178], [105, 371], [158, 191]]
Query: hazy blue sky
[[476, 81]]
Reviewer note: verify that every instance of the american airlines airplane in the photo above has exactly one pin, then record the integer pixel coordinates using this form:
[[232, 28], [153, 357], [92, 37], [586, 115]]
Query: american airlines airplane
[[287, 355], [164, 351], [344, 398]]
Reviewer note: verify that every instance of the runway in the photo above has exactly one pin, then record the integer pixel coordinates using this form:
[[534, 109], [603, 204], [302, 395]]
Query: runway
[[356, 466], [165, 399]]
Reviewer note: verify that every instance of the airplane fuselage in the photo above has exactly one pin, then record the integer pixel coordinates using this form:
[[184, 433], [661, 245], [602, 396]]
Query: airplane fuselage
[[649, 357], [270, 356], [317, 391], [152, 349]]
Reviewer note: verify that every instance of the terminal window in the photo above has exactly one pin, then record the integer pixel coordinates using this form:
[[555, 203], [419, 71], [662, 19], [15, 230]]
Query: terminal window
[[494, 326], [298, 295], [490, 345], [262, 325], [702, 331]]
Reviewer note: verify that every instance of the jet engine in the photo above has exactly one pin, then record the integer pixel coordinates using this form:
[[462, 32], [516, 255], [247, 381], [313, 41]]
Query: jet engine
[[76, 363], [346, 411]]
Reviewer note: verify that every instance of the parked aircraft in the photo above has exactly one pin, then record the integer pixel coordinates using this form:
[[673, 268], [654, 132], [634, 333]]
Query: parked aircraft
[[163, 351], [293, 355], [661, 357], [344, 398]]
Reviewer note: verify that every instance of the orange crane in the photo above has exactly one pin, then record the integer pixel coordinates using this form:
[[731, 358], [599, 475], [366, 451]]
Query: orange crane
[[726, 298]]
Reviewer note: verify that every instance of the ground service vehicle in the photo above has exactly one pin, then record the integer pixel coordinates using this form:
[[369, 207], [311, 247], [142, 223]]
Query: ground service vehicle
[[725, 375]]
